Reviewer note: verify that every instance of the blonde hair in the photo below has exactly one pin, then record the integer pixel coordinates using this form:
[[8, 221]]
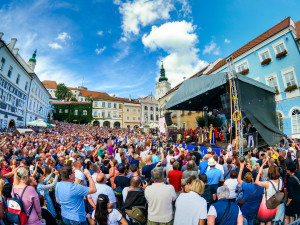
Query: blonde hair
[[197, 186], [21, 174]]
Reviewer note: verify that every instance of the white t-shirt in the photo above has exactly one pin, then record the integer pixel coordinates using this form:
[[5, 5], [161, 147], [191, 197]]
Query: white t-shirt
[[80, 176], [271, 191], [231, 184], [103, 189], [212, 211], [169, 157], [114, 217], [160, 197], [190, 208]]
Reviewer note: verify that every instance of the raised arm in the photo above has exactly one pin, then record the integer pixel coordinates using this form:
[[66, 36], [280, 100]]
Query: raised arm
[[48, 186], [264, 184]]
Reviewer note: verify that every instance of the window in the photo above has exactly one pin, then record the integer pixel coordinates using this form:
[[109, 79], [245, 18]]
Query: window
[[66, 110], [120, 106], [151, 108], [151, 117], [156, 109], [139, 110], [26, 85], [95, 114], [120, 115], [264, 54], [296, 121], [134, 110], [139, 118], [134, 118], [157, 117], [242, 67], [96, 104], [146, 108], [76, 112], [103, 104], [10, 71], [115, 115], [2, 63], [115, 105], [183, 125], [60, 110], [103, 114], [84, 112], [109, 105], [127, 109], [108, 115], [18, 79], [279, 48], [127, 118], [272, 81], [289, 78]]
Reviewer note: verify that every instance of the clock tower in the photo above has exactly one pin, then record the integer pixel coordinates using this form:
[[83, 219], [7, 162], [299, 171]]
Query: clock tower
[[162, 86], [32, 61]]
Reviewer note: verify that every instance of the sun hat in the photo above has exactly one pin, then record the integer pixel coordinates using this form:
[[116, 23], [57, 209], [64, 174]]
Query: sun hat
[[212, 162]]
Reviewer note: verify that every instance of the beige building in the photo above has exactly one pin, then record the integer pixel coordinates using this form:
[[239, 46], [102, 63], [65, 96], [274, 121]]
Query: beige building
[[131, 113]]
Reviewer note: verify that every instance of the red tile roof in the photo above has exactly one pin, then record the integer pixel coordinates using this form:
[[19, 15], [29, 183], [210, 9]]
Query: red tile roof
[[60, 103], [269, 33], [92, 94], [297, 25], [49, 84]]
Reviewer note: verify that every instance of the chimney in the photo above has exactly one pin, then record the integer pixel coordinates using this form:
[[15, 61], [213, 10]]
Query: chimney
[[15, 51], [12, 43], [1, 35], [130, 98]]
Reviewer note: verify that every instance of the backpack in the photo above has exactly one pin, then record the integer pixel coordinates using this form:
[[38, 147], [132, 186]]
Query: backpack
[[276, 199], [16, 212]]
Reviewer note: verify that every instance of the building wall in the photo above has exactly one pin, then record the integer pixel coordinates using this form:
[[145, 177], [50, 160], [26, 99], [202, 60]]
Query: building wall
[[131, 115], [13, 96], [105, 114], [149, 106], [285, 101]]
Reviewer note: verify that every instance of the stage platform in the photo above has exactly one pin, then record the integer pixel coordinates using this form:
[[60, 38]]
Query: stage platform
[[204, 148]]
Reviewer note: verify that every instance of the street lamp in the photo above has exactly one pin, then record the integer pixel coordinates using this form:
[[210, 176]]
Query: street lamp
[[205, 111]]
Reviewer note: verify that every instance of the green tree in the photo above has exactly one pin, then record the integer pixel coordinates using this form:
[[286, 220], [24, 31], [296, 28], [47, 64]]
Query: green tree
[[214, 120], [88, 98], [73, 99], [62, 92]]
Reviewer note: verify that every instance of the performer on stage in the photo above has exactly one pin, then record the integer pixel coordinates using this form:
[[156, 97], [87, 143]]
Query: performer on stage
[[212, 137], [251, 131]]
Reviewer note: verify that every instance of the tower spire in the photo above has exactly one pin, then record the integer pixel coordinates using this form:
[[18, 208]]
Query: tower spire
[[162, 73], [32, 59]]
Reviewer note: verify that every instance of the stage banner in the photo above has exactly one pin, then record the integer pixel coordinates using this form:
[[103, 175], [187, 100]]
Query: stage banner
[[162, 125]]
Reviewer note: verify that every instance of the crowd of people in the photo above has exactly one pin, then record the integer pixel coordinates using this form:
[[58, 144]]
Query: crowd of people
[[79, 174]]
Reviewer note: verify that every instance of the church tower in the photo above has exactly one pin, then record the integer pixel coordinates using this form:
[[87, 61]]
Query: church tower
[[162, 86], [32, 61]]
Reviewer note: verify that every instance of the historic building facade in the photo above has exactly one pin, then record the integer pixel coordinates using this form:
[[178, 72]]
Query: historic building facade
[[149, 110], [131, 113]]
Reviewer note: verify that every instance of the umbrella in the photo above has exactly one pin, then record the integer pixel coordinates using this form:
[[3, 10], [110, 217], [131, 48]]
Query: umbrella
[[39, 123]]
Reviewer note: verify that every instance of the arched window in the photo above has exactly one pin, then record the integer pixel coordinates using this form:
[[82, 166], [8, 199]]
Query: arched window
[[296, 121]]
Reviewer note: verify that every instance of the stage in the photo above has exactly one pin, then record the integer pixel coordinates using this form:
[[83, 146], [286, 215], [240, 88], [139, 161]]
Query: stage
[[191, 147]]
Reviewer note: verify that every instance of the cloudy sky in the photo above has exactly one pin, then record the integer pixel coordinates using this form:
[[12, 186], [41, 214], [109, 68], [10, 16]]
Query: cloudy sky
[[117, 46]]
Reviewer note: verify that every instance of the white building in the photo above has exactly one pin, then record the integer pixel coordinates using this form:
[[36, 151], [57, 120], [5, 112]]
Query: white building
[[150, 109], [16, 79]]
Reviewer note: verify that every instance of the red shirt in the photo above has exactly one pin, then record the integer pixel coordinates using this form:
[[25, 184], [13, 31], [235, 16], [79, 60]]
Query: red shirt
[[8, 170], [175, 177]]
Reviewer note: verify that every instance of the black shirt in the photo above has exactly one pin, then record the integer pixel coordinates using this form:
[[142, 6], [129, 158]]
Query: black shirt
[[198, 157], [122, 181]]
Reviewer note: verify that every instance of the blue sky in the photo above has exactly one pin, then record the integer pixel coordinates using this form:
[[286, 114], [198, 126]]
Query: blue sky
[[116, 46]]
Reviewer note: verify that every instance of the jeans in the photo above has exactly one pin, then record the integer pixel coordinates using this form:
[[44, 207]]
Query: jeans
[[72, 222], [248, 220]]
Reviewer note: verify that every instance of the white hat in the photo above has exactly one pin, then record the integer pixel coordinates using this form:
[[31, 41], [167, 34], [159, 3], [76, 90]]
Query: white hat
[[212, 162]]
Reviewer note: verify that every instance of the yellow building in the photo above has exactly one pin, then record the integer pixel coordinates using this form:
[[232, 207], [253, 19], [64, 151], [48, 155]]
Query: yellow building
[[131, 113]]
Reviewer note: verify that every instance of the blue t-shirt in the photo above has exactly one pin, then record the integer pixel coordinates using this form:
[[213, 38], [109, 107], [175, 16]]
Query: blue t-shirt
[[70, 196], [146, 170], [213, 176], [250, 207], [155, 159], [203, 167]]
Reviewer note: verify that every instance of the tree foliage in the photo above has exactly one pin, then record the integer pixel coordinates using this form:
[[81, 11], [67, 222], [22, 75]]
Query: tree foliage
[[62, 92], [214, 120]]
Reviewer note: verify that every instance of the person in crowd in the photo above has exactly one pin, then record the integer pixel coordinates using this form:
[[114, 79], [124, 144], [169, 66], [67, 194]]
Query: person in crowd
[[251, 199], [104, 215], [70, 196], [272, 185], [203, 166], [169, 166], [146, 170], [197, 155], [174, 178], [160, 198], [191, 208], [29, 195], [43, 189], [102, 188], [293, 193], [224, 212], [214, 176], [231, 183], [190, 171], [46, 214], [228, 167]]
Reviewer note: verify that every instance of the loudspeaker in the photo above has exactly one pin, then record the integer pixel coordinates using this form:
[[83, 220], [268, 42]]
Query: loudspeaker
[[168, 119], [225, 100]]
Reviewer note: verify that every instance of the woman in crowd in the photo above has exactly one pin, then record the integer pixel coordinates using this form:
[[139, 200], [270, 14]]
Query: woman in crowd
[[228, 167], [104, 215], [47, 216], [43, 189], [274, 184], [30, 196], [231, 183]]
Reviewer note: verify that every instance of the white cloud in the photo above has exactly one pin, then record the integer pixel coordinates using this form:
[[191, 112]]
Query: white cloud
[[227, 41], [179, 41], [100, 32], [63, 36], [211, 48], [55, 45], [140, 13], [100, 50]]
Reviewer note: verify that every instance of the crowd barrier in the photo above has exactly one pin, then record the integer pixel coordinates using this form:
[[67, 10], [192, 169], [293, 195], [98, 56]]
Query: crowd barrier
[[191, 147]]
